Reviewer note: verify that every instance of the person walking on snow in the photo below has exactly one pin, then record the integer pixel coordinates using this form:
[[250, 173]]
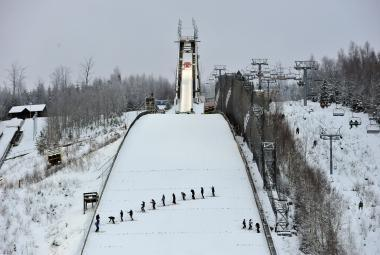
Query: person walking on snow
[[213, 191], [97, 222], [174, 202], [202, 191], [163, 200], [361, 205], [121, 215], [192, 194], [97, 226], [258, 227], [250, 224], [131, 214], [143, 206], [297, 131], [244, 224], [183, 195], [153, 204]]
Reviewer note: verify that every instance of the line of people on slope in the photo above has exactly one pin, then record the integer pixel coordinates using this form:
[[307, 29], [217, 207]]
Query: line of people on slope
[[250, 225], [153, 202]]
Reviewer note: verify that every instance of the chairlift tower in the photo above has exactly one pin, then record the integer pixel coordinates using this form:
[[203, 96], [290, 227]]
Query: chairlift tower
[[218, 69], [269, 81], [332, 137], [259, 62], [305, 66], [268, 153]]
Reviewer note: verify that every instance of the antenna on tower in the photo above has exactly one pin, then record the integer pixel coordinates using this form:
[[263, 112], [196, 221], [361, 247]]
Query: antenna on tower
[[195, 27], [179, 31]]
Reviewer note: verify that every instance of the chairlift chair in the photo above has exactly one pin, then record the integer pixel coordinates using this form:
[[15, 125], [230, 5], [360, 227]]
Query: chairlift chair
[[355, 121], [338, 111], [373, 127]]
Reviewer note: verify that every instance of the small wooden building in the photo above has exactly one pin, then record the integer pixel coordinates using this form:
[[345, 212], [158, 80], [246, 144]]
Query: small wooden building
[[28, 111]]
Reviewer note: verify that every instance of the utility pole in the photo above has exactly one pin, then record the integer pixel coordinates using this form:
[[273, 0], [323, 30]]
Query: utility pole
[[332, 137], [305, 66], [259, 62]]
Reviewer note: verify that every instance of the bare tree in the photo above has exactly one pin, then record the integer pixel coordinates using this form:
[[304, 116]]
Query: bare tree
[[86, 69], [16, 77], [60, 78]]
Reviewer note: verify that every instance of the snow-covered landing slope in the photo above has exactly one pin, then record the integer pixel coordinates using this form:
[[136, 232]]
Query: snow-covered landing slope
[[165, 154]]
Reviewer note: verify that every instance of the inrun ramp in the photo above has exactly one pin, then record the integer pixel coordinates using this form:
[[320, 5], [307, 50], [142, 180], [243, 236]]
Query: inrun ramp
[[165, 154]]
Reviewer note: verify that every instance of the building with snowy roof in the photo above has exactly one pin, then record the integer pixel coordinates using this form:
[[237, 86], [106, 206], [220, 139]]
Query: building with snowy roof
[[28, 111]]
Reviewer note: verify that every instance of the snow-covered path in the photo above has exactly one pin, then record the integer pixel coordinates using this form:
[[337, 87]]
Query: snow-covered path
[[165, 154]]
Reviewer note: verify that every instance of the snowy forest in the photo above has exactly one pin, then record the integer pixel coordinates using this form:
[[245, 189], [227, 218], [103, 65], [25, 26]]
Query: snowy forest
[[74, 106], [353, 78]]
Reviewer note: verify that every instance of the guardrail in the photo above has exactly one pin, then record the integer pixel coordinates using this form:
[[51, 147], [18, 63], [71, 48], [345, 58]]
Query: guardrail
[[267, 232], [2, 159], [108, 175], [5, 154], [9, 146]]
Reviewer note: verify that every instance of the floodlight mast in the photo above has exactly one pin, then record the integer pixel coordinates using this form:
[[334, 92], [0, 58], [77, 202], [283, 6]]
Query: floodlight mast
[[305, 66]]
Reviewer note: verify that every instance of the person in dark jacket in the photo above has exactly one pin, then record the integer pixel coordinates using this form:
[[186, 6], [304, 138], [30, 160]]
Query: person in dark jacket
[[202, 192], [143, 206], [192, 194], [97, 222], [183, 195], [112, 219], [250, 224], [97, 226], [213, 191], [130, 214], [163, 200], [258, 227], [153, 204], [174, 202], [244, 224], [121, 215]]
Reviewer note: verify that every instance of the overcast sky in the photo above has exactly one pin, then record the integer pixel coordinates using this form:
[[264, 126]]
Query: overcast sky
[[138, 36]]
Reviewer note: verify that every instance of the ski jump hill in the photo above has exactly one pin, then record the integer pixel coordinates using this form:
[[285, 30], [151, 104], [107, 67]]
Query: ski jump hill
[[173, 153]]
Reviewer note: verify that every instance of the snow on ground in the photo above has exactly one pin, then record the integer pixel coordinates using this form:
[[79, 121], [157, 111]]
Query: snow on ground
[[165, 154], [356, 168], [28, 140], [46, 217]]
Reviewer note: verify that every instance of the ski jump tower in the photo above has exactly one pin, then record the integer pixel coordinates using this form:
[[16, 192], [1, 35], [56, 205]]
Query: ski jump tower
[[187, 78]]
